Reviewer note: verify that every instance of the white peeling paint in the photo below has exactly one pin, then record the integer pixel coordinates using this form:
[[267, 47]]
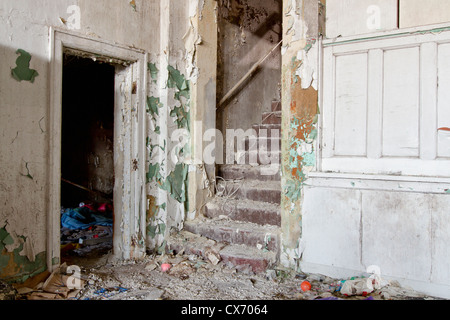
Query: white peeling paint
[[191, 40], [297, 28], [308, 69]]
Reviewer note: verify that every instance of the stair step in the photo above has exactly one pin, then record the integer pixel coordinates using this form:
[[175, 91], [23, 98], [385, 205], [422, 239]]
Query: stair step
[[267, 191], [235, 232], [257, 157], [261, 173], [273, 117], [239, 256], [261, 213]]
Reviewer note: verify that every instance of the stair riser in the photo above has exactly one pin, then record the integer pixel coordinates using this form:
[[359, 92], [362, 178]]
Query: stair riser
[[256, 265], [233, 236], [235, 173], [258, 216], [263, 195]]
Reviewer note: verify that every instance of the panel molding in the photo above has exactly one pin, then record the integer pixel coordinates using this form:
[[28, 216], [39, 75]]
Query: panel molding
[[423, 159]]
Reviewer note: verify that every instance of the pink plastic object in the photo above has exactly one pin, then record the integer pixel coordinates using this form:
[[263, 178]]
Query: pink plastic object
[[165, 267]]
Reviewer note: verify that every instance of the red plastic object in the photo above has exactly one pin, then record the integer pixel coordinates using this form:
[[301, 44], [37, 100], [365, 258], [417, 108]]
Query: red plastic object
[[306, 286]]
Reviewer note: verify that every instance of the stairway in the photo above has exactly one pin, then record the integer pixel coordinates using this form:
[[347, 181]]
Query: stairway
[[241, 226]]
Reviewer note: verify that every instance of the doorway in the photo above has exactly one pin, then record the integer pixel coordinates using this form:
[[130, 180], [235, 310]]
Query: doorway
[[87, 158], [106, 95]]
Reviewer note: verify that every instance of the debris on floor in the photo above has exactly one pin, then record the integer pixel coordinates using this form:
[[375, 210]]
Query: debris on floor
[[190, 277], [86, 229], [7, 292], [62, 284]]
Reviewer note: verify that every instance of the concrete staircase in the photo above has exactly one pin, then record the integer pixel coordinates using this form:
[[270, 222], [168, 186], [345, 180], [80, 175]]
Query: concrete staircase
[[241, 226]]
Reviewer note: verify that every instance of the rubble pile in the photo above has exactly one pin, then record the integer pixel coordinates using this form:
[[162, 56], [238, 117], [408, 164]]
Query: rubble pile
[[188, 277]]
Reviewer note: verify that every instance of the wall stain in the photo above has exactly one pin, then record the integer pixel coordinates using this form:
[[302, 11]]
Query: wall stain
[[15, 268]]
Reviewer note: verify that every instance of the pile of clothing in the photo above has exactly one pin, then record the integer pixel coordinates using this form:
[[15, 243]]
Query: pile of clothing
[[87, 228]]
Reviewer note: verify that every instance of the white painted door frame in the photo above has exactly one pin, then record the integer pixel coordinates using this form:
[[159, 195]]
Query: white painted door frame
[[129, 144]]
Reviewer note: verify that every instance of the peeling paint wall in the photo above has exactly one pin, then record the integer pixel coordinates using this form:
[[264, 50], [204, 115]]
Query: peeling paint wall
[[24, 101], [300, 117], [181, 107]]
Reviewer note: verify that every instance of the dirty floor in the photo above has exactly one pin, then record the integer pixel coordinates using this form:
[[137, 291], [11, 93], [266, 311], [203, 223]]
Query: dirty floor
[[191, 278]]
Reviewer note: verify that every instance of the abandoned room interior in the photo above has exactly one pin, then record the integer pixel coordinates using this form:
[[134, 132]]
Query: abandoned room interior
[[308, 135]]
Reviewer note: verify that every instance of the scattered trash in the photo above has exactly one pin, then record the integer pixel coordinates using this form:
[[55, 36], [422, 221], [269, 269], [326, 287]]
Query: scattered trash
[[7, 292], [106, 293], [151, 266], [87, 229], [362, 286], [82, 218], [213, 256], [306, 286], [182, 270], [330, 298], [58, 285]]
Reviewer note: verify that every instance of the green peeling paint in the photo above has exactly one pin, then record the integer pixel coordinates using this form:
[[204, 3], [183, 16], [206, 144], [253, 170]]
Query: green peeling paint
[[15, 267], [154, 230], [153, 71], [178, 81], [293, 190], [22, 71], [153, 104], [183, 117], [162, 248], [175, 184], [133, 5], [309, 159], [304, 135]]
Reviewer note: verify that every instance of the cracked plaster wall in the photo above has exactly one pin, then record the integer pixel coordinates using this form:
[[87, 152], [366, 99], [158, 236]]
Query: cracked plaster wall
[[24, 104]]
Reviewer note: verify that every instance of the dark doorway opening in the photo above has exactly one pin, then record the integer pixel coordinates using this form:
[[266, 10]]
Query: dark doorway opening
[[87, 158]]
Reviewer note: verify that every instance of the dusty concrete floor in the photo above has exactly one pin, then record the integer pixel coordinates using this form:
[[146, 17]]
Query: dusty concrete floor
[[191, 278]]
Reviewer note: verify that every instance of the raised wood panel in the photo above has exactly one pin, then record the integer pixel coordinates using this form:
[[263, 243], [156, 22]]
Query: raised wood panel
[[444, 100], [383, 101], [401, 103], [351, 99]]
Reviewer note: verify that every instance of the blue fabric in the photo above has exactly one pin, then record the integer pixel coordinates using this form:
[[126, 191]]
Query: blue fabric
[[83, 218]]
